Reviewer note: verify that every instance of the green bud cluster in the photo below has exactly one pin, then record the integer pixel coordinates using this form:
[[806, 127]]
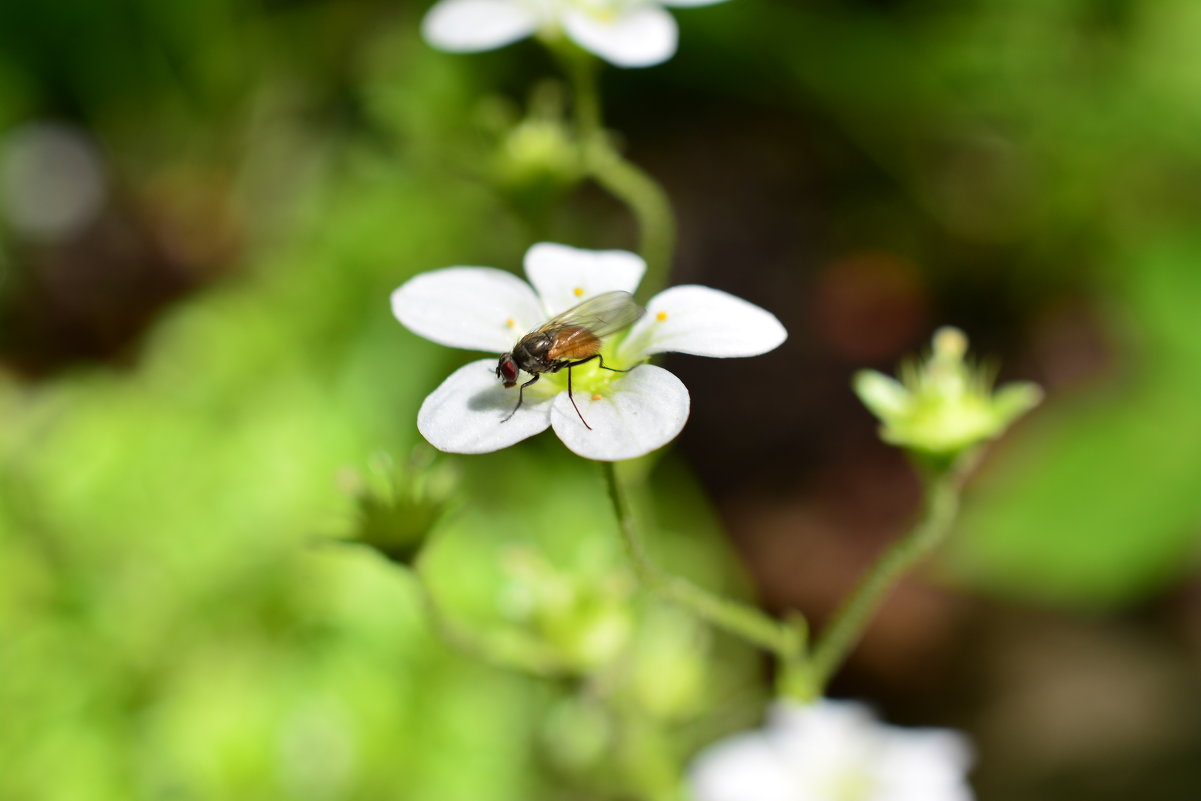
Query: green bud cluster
[[586, 620], [537, 156]]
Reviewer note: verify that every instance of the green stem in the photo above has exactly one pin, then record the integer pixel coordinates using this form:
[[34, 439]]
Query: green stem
[[585, 86], [849, 622], [647, 200], [785, 640], [623, 179]]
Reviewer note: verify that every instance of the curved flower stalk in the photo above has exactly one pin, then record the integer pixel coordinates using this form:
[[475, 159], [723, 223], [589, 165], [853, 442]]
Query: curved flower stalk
[[630, 413], [833, 751], [627, 33]]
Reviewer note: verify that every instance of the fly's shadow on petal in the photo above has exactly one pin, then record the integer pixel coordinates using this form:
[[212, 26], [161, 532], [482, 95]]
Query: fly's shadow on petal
[[503, 400], [496, 397]]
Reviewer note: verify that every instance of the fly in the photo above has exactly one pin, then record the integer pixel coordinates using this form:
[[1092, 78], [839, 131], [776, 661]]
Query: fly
[[568, 340]]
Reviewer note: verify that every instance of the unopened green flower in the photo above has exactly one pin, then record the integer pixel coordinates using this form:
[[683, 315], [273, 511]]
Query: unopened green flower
[[944, 404], [539, 150], [399, 506], [537, 158]]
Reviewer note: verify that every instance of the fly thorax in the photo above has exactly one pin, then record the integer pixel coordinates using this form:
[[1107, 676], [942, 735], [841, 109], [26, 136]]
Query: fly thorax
[[530, 354]]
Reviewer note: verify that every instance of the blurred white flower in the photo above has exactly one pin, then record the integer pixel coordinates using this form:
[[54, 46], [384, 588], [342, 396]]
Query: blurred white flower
[[628, 33], [833, 751], [630, 413], [52, 184]]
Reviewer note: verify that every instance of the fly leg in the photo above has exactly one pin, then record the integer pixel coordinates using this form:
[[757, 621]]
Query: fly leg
[[521, 393], [607, 367], [575, 364], [571, 397]]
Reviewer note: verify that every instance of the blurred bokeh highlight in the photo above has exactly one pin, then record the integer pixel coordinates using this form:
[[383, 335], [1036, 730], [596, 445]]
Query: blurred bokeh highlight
[[204, 208]]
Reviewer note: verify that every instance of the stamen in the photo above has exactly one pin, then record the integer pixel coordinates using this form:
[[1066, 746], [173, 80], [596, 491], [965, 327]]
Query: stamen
[[597, 396], [579, 291], [510, 322], [661, 316]]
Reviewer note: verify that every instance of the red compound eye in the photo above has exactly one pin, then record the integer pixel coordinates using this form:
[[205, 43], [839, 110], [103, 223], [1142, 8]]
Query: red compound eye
[[506, 370]]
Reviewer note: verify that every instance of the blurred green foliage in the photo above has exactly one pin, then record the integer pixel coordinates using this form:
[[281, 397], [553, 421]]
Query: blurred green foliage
[[180, 613], [177, 616]]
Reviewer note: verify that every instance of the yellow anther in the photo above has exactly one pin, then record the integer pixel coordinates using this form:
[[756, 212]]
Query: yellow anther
[[579, 291], [597, 396], [661, 316], [510, 322]]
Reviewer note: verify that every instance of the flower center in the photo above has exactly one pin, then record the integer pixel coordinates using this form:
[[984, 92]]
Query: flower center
[[591, 379], [849, 784], [601, 10]]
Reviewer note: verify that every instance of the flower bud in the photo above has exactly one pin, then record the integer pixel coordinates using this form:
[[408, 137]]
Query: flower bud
[[398, 507], [945, 404], [537, 158]]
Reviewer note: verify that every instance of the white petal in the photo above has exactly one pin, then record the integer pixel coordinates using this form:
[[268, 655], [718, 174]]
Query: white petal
[[467, 26], [808, 751], [476, 308], [640, 37], [565, 276], [816, 738], [741, 768], [925, 764], [464, 414], [639, 412], [703, 322]]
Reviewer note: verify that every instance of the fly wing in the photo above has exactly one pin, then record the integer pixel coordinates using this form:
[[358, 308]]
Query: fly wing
[[602, 315]]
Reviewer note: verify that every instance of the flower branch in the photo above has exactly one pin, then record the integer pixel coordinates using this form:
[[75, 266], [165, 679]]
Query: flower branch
[[786, 640], [619, 176], [852, 618], [941, 412], [645, 198]]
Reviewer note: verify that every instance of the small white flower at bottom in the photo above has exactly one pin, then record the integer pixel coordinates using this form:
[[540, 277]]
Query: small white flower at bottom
[[631, 413], [833, 751]]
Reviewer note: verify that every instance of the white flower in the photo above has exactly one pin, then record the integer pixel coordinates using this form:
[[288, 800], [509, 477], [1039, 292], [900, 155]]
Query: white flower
[[630, 413], [628, 33], [833, 751]]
